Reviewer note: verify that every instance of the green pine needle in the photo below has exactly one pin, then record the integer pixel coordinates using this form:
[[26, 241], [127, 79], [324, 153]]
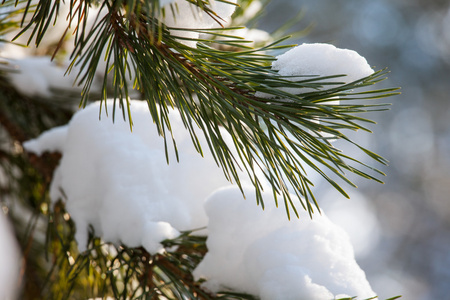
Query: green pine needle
[[277, 135]]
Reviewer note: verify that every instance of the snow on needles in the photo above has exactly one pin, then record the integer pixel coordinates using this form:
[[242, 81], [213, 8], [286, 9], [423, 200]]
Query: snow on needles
[[36, 76], [118, 182], [320, 60], [263, 253], [323, 60], [183, 14]]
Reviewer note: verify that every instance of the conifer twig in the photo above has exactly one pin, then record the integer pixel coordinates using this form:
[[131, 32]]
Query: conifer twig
[[212, 89]]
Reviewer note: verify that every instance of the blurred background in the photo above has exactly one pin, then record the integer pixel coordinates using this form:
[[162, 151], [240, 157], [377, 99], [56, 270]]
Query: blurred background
[[401, 230]]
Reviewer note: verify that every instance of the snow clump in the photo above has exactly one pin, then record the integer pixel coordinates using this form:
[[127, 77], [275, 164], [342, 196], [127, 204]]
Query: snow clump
[[319, 60], [119, 182], [263, 253], [323, 60], [38, 76]]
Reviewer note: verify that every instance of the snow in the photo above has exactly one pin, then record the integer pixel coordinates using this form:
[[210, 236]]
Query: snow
[[182, 14], [320, 60], [51, 140], [323, 60], [262, 253], [9, 260], [165, 2], [40, 76], [255, 37], [119, 182]]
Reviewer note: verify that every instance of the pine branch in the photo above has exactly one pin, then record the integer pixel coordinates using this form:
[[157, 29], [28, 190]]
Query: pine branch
[[213, 89]]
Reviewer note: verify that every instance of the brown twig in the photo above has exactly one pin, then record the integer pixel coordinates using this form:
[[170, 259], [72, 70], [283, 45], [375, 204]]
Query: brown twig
[[14, 132]]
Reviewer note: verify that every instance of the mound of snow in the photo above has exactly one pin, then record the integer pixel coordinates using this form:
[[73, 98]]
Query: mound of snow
[[119, 182], [263, 253], [319, 60], [323, 60]]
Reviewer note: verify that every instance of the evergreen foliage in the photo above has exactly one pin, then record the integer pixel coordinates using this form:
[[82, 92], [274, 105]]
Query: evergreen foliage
[[132, 40], [214, 84]]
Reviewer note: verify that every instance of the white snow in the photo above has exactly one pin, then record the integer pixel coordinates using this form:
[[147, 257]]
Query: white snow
[[323, 60], [36, 76], [51, 140], [119, 181], [9, 260], [182, 14], [320, 60], [262, 253], [255, 37]]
